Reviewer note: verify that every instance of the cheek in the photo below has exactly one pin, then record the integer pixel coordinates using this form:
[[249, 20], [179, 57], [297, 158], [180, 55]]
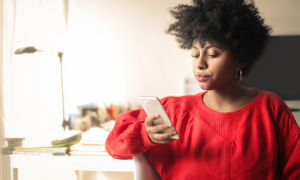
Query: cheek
[[194, 67], [223, 69]]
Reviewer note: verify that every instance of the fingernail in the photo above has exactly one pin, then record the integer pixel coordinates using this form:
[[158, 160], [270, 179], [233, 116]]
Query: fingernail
[[156, 115], [174, 132]]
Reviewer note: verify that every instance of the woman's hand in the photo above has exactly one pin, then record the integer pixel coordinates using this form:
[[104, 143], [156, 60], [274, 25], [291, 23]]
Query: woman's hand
[[155, 131]]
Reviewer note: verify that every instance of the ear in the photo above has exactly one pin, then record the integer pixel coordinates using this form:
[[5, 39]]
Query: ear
[[240, 65]]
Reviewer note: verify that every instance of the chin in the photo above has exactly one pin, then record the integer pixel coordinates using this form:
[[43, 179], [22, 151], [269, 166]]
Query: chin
[[205, 86]]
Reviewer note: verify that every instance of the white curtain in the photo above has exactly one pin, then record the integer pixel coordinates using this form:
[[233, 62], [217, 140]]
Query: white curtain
[[7, 34]]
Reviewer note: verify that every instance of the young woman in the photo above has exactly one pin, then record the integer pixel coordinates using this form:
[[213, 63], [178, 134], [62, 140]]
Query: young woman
[[227, 131]]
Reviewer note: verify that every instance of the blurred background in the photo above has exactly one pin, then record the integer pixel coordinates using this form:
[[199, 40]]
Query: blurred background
[[113, 52]]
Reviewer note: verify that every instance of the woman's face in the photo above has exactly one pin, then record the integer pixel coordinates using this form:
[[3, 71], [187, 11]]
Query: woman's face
[[214, 65]]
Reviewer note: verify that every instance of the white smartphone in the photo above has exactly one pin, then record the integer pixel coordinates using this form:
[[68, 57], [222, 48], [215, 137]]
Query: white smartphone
[[152, 105]]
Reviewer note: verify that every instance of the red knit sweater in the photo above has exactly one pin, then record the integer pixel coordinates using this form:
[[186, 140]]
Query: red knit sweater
[[258, 141]]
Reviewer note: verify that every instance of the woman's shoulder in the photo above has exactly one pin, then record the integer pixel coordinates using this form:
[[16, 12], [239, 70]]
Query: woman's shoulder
[[271, 99], [269, 96]]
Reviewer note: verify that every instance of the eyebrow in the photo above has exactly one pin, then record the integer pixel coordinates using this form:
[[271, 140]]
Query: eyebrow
[[209, 47]]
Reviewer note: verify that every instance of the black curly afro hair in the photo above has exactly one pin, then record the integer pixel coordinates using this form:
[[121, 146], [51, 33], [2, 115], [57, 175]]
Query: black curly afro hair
[[236, 23]]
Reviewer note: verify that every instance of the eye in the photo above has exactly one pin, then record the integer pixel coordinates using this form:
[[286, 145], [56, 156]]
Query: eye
[[213, 56], [195, 56]]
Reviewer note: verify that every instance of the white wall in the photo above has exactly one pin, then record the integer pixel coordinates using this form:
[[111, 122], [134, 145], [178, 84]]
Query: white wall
[[283, 16], [118, 51]]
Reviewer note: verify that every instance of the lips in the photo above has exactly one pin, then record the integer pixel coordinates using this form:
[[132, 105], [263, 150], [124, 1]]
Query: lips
[[202, 77]]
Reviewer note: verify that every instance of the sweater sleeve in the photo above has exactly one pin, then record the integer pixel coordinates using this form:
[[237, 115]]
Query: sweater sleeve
[[289, 146], [129, 136]]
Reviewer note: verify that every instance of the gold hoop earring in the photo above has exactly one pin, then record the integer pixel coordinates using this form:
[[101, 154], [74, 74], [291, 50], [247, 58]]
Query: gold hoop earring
[[241, 74]]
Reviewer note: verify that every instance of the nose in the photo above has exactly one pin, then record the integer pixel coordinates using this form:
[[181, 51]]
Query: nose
[[201, 63]]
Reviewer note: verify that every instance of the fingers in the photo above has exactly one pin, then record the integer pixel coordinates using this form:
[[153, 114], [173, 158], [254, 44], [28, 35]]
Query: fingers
[[149, 120], [155, 132], [163, 138], [152, 128], [159, 128]]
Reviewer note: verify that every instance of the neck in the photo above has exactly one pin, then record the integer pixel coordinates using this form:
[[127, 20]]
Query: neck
[[223, 99]]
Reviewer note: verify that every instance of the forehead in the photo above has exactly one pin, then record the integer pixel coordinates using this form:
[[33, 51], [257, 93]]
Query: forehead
[[202, 45]]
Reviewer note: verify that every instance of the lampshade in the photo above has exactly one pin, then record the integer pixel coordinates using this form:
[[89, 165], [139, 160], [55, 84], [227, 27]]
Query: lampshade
[[26, 50]]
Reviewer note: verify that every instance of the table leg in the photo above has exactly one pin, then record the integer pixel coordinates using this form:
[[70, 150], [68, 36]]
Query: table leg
[[79, 175], [9, 173]]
